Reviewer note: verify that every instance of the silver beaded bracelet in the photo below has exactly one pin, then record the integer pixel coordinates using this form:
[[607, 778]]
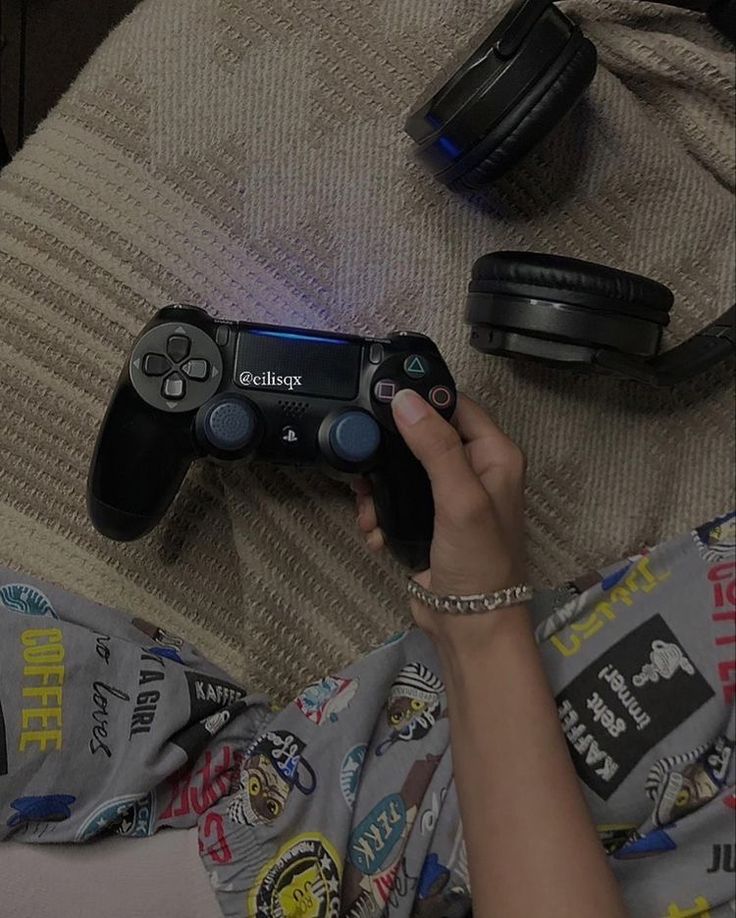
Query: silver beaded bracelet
[[469, 605]]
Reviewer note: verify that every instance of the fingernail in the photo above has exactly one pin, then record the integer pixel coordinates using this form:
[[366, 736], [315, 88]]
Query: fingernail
[[409, 407], [374, 540]]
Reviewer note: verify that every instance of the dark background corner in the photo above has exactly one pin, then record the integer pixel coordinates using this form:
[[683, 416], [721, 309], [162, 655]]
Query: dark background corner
[[43, 46]]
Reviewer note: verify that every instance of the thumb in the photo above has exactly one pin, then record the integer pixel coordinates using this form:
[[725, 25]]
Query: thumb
[[437, 445]]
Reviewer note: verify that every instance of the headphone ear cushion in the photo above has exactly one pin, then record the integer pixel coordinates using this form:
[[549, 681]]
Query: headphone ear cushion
[[534, 117], [571, 280]]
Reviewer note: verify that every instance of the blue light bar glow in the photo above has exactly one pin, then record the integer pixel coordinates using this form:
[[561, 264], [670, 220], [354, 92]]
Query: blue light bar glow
[[449, 147], [295, 336]]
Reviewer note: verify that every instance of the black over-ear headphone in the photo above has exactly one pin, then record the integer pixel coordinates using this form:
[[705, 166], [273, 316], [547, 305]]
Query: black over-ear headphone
[[473, 126]]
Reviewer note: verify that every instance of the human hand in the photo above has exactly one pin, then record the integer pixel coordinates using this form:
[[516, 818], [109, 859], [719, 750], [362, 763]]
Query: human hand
[[477, 478]]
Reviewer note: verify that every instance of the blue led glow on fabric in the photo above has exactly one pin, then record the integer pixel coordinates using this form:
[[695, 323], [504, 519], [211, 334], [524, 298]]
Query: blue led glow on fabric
[[295, 336]]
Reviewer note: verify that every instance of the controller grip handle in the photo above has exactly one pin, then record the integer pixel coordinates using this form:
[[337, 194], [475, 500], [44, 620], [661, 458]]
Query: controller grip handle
[[139, 462], [402, 495]]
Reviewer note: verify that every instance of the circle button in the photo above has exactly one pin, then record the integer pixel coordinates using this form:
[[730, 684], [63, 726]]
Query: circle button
[[354, 436], [230, 424], [440, 396]]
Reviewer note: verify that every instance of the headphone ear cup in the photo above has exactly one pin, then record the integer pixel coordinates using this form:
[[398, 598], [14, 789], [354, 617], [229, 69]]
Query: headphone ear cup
[[564, 310], [540, 111]]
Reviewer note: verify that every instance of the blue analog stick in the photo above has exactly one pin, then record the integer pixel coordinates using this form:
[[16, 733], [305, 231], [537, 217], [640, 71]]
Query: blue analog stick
[[230, 424], [355, 436]]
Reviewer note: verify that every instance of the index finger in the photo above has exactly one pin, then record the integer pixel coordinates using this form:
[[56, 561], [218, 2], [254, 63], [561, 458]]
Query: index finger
[[488, 448], [438, 446]]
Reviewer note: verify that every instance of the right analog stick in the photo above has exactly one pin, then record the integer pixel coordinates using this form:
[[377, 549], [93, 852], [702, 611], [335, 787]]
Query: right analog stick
[[354, 436]]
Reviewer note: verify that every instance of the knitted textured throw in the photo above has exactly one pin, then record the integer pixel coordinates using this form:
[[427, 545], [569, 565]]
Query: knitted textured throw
[[249, 156]]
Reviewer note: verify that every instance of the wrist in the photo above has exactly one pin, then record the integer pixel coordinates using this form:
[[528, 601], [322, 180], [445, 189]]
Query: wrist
[[469, 641]]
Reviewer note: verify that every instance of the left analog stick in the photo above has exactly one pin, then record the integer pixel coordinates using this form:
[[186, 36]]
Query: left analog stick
[[229, 424]]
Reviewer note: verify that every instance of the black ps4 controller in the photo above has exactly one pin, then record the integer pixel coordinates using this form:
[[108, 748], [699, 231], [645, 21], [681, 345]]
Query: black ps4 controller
[[195, 386]]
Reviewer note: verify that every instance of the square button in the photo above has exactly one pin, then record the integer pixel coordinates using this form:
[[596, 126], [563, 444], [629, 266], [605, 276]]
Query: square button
[[384, 390]]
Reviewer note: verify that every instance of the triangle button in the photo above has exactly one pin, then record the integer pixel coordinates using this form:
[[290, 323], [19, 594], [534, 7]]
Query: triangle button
[[415, 366]]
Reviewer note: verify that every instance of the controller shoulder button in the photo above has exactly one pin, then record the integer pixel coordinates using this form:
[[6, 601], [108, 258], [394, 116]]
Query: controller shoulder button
[[410, 341], [182, 312]]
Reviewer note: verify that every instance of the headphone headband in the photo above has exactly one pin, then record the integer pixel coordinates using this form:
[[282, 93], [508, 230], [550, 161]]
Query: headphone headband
[[709, 347]]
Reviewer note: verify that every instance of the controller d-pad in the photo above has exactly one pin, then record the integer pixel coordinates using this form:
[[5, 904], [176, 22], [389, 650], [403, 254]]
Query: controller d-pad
[[176, 367], [178, 347], [174, 387], [196, 368], [156, 365]]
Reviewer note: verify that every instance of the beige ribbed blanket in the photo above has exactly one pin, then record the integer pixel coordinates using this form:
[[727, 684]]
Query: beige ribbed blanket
[[249, 156]]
